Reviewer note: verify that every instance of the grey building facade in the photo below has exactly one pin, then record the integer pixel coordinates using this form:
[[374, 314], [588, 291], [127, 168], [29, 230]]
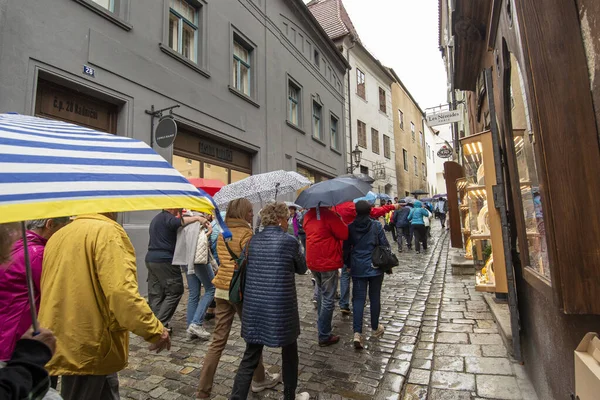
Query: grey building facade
[[259, 83]]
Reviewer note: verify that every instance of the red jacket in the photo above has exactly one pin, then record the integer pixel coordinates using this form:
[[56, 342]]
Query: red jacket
[[324, 240], [348, 211]]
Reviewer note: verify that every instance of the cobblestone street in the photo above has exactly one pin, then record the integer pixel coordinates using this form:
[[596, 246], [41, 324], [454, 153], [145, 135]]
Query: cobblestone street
[[440, 343]]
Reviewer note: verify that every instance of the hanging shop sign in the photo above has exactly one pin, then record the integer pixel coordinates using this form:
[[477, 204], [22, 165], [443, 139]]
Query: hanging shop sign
[[443, 118], [166, 131], [445, 152]]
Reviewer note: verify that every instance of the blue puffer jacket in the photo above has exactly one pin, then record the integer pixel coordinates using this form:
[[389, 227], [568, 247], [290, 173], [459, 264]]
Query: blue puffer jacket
[[417, 213], [270, 308], [362, 239]]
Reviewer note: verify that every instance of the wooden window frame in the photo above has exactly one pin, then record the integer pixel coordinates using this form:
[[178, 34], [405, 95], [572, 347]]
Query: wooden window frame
[[382, 100], [363, 131], [405, 159], [387, 147], [375, 145], [361, 87]]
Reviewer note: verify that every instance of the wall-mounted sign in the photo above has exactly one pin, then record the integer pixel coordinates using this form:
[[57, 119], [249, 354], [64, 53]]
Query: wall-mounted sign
[[215, 151], [165, 132], [445, 152], [442, 118], [89, 71]]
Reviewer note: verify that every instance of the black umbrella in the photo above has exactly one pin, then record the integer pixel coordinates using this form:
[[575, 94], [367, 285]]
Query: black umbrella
[[362, 177], [333, 192]]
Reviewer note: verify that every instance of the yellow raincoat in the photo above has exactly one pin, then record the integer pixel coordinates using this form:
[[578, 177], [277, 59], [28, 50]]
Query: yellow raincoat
[[90, 298]]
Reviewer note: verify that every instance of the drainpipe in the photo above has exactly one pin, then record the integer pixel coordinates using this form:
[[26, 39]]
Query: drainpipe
[[353, 40]]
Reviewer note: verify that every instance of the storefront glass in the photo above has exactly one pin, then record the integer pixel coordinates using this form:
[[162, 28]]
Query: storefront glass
[[524, 147], [238, 175], [187, 167], [215, 172]]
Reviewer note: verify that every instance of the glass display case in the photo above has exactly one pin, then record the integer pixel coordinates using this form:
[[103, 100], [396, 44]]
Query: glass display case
[[477, 206]]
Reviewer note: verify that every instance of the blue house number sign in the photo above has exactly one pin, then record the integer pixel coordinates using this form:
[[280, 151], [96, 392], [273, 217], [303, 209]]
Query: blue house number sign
[[89, 71]]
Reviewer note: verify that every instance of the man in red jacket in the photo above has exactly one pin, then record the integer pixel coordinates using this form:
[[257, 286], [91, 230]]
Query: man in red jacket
[[348, 213], [325, 234]]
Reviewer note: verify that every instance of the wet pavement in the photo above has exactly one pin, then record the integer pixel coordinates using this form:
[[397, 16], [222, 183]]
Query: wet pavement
[[440, 343]]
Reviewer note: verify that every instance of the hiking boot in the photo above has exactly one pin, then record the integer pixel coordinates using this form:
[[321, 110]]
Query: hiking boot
[[333, 339], [345, 311], [358, 341], [269, 382], [199, 331], [379, 331]]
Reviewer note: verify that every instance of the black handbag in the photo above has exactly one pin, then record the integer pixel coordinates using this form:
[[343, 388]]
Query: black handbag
[[383, 257]]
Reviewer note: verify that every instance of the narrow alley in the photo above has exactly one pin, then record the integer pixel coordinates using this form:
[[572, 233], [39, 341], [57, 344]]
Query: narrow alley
[[440, 344]]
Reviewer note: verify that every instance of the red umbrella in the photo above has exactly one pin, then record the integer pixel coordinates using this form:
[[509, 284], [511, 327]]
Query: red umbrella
[[210, 186]]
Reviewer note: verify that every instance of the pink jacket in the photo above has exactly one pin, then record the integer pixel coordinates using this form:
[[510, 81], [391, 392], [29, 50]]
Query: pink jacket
[[15, 317]]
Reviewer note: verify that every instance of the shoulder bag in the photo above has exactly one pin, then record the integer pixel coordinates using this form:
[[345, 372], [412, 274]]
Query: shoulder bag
[[383, 258], [238, 280]]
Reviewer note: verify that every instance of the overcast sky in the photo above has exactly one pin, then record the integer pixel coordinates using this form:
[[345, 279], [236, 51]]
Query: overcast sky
[[403, 34]]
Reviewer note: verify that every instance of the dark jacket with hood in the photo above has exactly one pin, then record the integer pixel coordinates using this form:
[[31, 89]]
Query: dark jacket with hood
[[363, 234], [400, 217]]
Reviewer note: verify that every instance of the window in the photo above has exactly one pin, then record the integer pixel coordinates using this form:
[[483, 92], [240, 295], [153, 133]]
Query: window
[[108, 4], [317, 60], [362, 134], [412, 130], [241, 67], [364, 170], [405, 159], [335, 136], [183, 29], [401, 119], [317, 124], [427, 151], [387, 147], [423, 171], [382, 101], [375, 141], [421, 140], [360, 84], [294, 103], [416, 165]]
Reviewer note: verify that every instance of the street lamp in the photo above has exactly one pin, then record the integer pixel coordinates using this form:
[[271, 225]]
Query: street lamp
[[356, 157]]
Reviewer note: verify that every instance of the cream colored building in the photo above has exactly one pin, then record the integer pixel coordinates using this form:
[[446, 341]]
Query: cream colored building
[[410, 140]]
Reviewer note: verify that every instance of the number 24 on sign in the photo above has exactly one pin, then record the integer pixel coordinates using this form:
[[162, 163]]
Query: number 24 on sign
[[89, 71]]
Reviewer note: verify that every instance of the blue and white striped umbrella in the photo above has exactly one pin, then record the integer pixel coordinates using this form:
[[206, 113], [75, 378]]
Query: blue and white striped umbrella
[[51, 168]]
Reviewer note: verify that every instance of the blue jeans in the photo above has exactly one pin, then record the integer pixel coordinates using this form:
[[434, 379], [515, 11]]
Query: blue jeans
[[359, 296], [327, 285], [197, 306], [345, 289]]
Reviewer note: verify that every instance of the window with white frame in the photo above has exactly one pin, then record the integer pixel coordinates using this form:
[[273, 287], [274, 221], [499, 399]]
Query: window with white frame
[[241, 67], [387, 148], [317, 121], [405, 159], [294, 103], [183, 29], [401, 119], [360, 84], [421, 139], [375, 141], [108, 4], [335, 135], [424, 171]]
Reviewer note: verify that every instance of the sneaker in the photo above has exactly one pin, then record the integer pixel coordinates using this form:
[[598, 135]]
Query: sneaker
[[333, 339], [199, 331], [345, 311], [314, 282], [358, 341], [418, 252], [379, 331], [190, 336], [303, 396], [269, 382]]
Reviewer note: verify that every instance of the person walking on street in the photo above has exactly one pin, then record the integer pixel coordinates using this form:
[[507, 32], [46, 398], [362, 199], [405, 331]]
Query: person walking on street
[[442, 209], [364, 234], [400, 220], [24, 376], [238, 218], [15, 315], [427, 221], [90, 300], [325, 234], [274, 258], [193, 253], [165, 283], [415, 217]]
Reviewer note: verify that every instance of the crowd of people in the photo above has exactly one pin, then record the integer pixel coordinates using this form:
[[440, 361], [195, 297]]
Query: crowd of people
[[86, 290]]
